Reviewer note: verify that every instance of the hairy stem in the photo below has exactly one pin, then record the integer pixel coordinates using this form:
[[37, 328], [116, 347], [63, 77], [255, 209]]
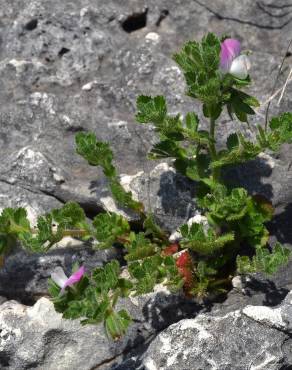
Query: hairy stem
[[75, 233], [212, 148]]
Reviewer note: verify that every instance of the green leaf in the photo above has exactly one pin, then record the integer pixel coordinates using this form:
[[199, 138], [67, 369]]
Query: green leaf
[[204, 242], [151, 110], [246, 151], [232, 141], [151, 228], [139, 247], [123, 197], [117, 323], [247, 99], [71, 215], [282, 126], [108, 228], [229, 207], [192, 122], [95, 152], [52, 227], [14, 221], [107, 277], [198, 169], [264, 260], [167, 149]]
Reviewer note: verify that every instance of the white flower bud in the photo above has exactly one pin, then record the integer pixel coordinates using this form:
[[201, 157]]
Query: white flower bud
[[240, 66], [59, 277]]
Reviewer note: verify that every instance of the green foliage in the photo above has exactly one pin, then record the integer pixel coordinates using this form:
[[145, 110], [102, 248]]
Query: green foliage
[[108, 227], [13, 225], [139, 247], [151, 110], [50, 228], [152, 270], [242, 214], [264, 260], [93, 299], [206, 276], [200, 62], [95, 152], [122, 197], [152, 229], [208, 254], [203, 242], [226, 207], [116, 323], [241, 105], [98, 153]]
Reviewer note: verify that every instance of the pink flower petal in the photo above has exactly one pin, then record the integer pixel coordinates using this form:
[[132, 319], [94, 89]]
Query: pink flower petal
[[74, 278], [230, 49]]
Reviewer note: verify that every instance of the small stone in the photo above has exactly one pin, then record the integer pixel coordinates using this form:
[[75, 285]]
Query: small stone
[[237, 283], [152, 36], [88, 86]]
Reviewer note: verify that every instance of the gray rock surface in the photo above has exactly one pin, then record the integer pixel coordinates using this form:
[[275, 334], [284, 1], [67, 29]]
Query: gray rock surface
[[37, 337], [256, 337], [79, 65], [249, 337], [24, 276]]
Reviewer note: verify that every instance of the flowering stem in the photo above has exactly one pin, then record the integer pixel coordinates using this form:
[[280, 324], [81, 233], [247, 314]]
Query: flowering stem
[[75, 233], [115, 297], [122, 240], [212, 148]]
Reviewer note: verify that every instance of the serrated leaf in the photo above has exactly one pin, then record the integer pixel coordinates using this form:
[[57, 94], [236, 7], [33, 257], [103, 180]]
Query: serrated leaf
[[264, 260], [96, 153], [139, 247], [151, 110], [117, 323], [108, 228], [107, 277], [196, 238], [232, 141], [282, 126], [192, 122], [124, 198]]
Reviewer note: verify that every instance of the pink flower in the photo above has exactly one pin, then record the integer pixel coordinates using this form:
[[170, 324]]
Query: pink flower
[[59, 277], [231, 61]]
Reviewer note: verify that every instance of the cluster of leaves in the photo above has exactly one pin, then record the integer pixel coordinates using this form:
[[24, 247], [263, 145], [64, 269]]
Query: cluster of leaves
[[50, 228], [93, 299], [98, 153], [233, 237], [199, 62], [234, 218]]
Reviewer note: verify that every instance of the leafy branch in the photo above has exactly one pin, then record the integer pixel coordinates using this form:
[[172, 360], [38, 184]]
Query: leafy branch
[[208, 252]]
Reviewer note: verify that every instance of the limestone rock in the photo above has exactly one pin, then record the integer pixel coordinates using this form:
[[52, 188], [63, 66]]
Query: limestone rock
[[82, 66], [256, 337], [38, 337]]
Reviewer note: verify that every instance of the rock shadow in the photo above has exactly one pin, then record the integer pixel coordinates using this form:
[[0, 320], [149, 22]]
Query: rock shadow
[[264, 290], [281, 225], [160, 312], [250, 175], [176, 193], [24, 277]]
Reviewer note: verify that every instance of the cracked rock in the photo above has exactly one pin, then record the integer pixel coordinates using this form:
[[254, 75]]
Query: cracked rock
[[256, 337], [38, 337], [79, 69]]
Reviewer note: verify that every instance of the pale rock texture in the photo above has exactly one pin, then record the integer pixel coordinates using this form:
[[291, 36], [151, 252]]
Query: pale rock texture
[[256, 337], [69, 66]]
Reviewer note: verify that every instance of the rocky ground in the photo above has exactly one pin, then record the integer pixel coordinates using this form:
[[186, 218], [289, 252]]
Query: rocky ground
[[77, 65]]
